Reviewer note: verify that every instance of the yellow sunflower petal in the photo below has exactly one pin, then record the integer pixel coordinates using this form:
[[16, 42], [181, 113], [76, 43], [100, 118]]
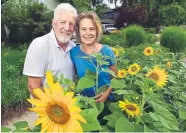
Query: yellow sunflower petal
[[78, 117], [48, 93], [40, 120], [74, 100], [41, 114], [62, 127], [38, 110], [75, 109], [37, 102], [57, 92], [69, 94], [67, 99], [41, 95], [50, 78], [56, 127], [50, 127], [75, 124], [45, 125]]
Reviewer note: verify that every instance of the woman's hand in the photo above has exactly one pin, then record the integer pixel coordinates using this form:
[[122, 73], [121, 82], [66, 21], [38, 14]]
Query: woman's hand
[[102, 97]]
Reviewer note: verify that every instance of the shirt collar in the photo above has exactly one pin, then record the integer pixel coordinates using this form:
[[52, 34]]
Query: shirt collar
[[70, 44]]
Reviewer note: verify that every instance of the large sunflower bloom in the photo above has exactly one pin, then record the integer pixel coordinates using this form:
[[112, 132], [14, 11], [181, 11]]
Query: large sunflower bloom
[[116, 52], [132, 109], [122, 73], [158, 75], [148, 51], [57, 111], [134, 68]]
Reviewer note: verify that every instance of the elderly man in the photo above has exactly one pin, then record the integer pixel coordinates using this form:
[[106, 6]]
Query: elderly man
[[51, 52]]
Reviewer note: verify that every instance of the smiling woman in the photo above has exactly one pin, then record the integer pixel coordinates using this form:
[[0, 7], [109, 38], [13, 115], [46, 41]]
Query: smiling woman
[[88, 32]]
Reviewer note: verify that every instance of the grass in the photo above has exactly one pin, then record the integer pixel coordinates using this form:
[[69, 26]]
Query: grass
[[14, 85]]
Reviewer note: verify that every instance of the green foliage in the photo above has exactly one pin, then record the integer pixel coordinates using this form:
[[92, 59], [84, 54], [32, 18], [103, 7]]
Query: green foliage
[[134, 35], [163, 108], [21, 126], [150, 38], [174, 38], [114, 39], [150, 30], [120, 127], [26, 19], [85, 82], [172, 14], [91, 117]]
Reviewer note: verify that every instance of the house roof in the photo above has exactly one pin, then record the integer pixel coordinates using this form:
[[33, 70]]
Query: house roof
[[107, 21]]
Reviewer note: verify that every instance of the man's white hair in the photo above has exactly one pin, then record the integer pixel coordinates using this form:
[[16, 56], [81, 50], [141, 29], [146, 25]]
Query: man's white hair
[[65, 7]]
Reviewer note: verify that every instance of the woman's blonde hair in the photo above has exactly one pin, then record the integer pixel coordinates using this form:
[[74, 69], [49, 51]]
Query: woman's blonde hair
[[96, 21]]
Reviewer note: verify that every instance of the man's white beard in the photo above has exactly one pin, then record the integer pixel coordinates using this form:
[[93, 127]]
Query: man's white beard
[[64, 38]]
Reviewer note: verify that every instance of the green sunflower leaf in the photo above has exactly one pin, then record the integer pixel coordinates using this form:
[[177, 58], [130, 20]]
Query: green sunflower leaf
[[90, 115]]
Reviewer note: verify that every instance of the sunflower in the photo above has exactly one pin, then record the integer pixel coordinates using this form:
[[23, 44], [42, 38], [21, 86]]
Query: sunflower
[[160, 76], [57, 111], [122, 73], [116, 52], [148, 51], [169, 64], [133, 69], [132, 109]]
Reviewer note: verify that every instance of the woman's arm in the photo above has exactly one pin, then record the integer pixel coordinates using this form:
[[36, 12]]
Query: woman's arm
[[113, 68]]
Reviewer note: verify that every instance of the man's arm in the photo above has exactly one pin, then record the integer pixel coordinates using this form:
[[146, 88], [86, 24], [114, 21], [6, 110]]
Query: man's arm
[[34, 82]]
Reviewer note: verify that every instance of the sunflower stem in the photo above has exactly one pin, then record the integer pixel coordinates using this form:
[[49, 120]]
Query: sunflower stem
[[97, 73], [137, 120], [131, 82]]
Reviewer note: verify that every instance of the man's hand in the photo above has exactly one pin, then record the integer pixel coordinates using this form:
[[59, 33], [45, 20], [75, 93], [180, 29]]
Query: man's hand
[[34, 82]]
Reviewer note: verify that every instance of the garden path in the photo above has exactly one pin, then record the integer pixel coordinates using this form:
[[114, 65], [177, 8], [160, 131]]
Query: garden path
[[27, 116]]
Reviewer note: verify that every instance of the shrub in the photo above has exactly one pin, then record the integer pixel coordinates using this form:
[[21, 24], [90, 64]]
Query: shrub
[[113, 39], [151, 38], [134, 35], [173, 38]]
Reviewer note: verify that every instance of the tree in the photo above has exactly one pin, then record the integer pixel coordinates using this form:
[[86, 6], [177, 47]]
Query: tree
[[101, 9], [96, 3], [132, 15], [172, 14], [82, 5], [114, 1]]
